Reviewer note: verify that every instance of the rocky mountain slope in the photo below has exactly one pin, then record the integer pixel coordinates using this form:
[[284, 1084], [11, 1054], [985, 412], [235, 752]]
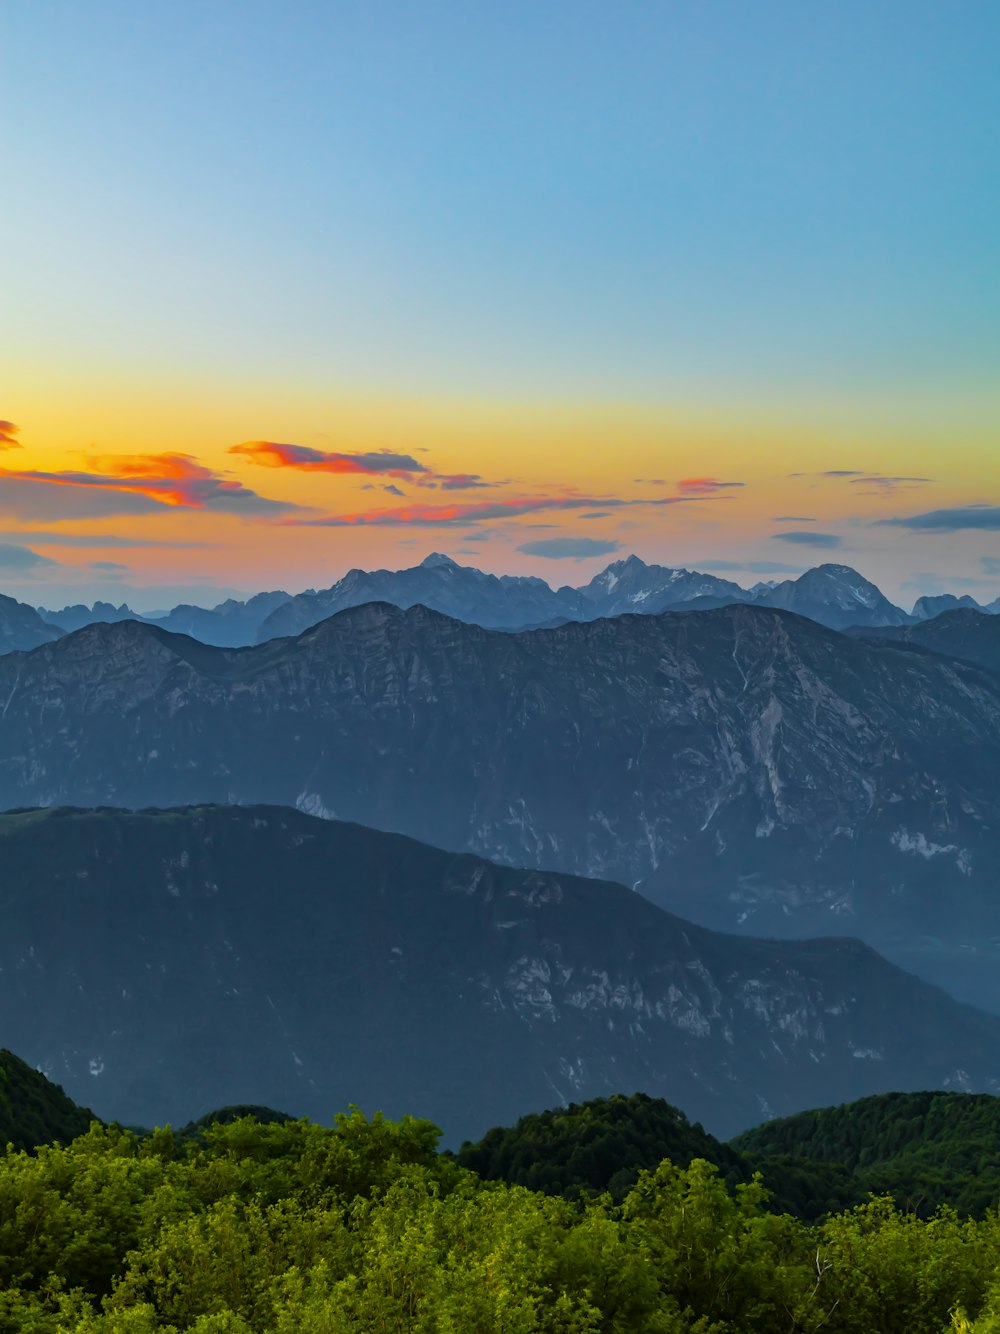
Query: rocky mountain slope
[[162, 963], [744, 767]]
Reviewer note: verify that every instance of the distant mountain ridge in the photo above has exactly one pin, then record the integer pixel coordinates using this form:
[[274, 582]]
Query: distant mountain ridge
[[834, 595], [198, 957], [21, 627], [744, 767], [967, 633]]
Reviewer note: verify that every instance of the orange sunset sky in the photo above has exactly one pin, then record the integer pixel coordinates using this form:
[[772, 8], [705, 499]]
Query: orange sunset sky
[[293, 292]]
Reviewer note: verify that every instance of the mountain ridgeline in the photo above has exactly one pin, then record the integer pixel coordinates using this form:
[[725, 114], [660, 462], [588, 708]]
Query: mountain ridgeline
[[834, 595], [746, 768], [158, 964]]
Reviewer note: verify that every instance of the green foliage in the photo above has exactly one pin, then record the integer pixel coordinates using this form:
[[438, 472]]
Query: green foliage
[[285, 1227]]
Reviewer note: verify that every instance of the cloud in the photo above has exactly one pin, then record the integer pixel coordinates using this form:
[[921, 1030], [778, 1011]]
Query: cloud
[[945, 583], [568, 548], [990, 564], [393, 489], [22, 559], [887, 482], [53, 537], [751, 566], [597, 514], [791, 518], [651, 481], [704, 485], [168, 479], [7, 433], [465, 512], [271, 454], [109, 566], [460, 481], [950, 520], [26, 499], [806, 538], [833, 472]]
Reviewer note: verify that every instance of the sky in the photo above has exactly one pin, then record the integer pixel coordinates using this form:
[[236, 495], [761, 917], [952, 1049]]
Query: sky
[[294, 288]]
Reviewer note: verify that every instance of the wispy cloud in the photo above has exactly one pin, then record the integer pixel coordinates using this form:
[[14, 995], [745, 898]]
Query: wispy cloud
[[22, 559], [877, 479], [108, 566], [455, 481], [8, 434], [568, 548], [53, 537], [167, 479], [704, 485], [271, 454], [991, 564], [792, 518], [465, 512], [808, 538], [949, 520], [834, 472], [751, 566]]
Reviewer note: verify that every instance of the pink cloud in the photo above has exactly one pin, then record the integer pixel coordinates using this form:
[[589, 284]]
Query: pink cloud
[[704, 486], [271, 454]]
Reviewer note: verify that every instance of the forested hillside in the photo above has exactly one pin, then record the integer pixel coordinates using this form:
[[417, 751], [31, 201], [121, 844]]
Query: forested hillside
[[33, 1110], [282, 1228], [926, 1149]]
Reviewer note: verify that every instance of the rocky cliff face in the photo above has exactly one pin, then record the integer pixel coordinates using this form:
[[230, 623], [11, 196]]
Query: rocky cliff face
[[163, 963], [744, 767]]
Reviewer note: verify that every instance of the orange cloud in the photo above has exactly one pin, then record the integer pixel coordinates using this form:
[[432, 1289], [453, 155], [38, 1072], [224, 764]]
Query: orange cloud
[[273, 455], [169, 479], [703, 486], [475, 511], [7, 433]]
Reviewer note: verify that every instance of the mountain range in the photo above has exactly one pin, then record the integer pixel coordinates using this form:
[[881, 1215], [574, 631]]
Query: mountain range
[[158, 964], [834, 595], [744, 767]]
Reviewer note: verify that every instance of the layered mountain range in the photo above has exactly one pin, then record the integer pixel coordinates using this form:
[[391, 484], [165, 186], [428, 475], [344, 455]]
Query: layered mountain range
[[834, 595], [158, 964], [744, 767]]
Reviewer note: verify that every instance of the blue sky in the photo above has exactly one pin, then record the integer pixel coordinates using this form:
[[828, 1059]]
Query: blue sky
[[736, 236]]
